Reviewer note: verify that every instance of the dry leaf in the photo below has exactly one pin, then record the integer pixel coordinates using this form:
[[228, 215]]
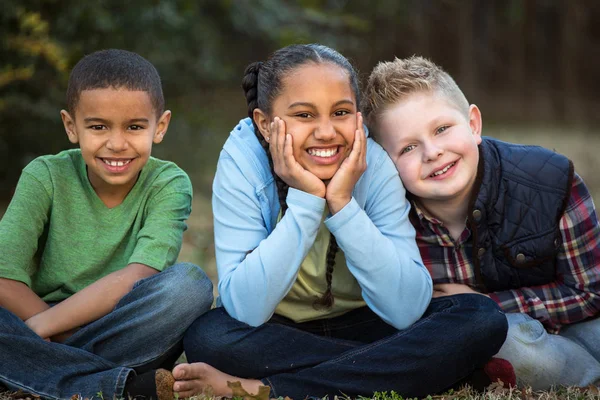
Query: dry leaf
[[239, 391]]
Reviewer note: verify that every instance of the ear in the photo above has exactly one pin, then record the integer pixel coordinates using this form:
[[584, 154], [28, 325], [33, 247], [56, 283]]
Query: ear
[[69, 123], [475, 122], [161, 127], [263, 122]]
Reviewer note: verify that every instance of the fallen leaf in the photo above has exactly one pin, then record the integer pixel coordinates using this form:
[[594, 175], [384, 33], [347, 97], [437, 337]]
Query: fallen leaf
[[239, 391]]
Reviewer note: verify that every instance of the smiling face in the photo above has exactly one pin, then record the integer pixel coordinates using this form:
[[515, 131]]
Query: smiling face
[[319, 109], [434, 146], [115, 129]]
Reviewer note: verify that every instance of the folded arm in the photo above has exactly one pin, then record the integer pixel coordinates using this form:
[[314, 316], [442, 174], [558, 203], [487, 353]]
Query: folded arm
[[89, 304], [256, 267], [380, 248]]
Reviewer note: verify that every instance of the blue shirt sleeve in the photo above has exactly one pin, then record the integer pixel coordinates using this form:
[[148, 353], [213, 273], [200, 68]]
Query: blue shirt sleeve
[[380, 248], [257, 269]]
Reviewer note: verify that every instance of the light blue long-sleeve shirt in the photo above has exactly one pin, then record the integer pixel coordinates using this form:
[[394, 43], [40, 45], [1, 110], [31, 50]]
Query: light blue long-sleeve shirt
[[258, 259]]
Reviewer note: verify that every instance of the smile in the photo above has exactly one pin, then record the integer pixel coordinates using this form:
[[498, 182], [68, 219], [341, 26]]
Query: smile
[[114, 163], [442, 171], [324, 153]]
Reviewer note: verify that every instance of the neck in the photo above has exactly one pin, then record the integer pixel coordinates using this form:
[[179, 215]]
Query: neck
[[110, 195], [450, 213]]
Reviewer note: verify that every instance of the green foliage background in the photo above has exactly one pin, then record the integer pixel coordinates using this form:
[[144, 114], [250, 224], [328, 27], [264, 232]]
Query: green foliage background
[[523, 61]]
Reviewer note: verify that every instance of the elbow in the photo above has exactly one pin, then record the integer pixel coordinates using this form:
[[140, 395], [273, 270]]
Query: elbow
[[245, 310]]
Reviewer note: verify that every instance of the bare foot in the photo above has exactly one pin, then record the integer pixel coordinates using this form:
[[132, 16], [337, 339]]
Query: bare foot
[[195, 378]]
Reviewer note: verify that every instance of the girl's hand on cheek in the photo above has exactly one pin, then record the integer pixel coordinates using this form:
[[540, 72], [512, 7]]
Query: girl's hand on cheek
[[341, 185], [286, 166]]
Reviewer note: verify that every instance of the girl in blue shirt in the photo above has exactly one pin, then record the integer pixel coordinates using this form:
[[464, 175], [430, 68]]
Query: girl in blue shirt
[[322, 288]]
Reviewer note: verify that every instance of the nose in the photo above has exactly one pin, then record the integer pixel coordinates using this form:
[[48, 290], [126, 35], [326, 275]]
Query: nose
[[432, 151], [325, 130], [117, 141]]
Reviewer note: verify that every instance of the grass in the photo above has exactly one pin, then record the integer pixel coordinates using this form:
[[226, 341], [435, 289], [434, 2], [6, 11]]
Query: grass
[[579, 146], [493, 392]]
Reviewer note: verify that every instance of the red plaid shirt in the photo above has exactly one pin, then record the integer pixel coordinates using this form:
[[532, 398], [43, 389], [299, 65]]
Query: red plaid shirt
[[572, 297]]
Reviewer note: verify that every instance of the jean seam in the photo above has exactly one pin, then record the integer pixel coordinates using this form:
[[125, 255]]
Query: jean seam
[[120, 384], [270, 384]]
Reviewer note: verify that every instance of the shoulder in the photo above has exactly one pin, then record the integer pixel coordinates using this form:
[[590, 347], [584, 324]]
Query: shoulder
[[165, 177], [52, 170], [243, 152], [378, 161], [529, 162], [64, 162], [523, 154]]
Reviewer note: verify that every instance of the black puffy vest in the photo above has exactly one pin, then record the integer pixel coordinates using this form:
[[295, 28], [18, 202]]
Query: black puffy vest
[[519, 197]]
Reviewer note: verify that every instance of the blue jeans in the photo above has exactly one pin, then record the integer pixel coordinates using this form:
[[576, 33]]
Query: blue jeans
[[144, 331], [355, 354], [542, 360]]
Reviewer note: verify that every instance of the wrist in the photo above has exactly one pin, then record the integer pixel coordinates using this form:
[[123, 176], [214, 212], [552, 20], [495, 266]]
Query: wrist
[[36, 324], [336, 204]]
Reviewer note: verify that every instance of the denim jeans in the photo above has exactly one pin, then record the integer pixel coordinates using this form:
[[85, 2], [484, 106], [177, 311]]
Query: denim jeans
[[356, 353], [144, 331], [542, 360]]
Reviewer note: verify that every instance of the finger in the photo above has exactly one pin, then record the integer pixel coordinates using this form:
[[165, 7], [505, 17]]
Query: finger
[[288, 152], [362, 133], [273, 136], [356, 152], [280, 132]]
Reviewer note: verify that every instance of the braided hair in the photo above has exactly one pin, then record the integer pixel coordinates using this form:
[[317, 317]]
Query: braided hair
[[262, 83]]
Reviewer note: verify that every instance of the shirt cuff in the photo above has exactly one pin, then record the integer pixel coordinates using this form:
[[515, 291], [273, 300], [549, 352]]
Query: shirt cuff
[[305, 200], [342, 217]]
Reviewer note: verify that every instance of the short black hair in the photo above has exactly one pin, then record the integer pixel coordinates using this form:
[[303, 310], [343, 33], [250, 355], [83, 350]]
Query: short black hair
[[115, 68]]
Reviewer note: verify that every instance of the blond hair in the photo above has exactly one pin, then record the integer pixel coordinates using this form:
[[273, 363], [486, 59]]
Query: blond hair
[[393, 81]]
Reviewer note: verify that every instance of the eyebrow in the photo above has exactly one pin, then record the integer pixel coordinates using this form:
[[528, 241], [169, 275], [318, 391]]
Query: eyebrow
[[306, 104], [104, 121]]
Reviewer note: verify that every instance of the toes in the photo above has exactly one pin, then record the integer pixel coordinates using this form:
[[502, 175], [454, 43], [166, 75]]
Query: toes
[[189, 393], [180, 371], [183, 386]]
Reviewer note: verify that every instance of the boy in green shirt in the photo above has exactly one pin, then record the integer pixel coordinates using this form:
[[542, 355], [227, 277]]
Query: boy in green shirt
[[83, 307]]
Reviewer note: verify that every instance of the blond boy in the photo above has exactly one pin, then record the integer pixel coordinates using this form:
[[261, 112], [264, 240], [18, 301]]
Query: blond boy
[[509, 221]]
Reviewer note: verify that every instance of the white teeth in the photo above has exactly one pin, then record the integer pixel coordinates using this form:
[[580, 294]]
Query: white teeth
[[116, 163], [443, 171], [323, 153]]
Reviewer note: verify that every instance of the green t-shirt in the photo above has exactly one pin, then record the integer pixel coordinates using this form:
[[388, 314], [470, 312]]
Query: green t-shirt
[[57, 236]]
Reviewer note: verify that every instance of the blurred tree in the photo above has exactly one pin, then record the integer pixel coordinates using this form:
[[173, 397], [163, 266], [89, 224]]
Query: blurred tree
[[199, 48], [521, 60]]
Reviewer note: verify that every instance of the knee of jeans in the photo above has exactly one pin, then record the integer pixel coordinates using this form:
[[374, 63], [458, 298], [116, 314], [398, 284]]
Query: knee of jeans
[[207, 336], [188, 286], [486, 323]]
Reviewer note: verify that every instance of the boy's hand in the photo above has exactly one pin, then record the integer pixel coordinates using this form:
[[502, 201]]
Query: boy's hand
[[340, 187], [449, 289], [36, 323], [286, 166]]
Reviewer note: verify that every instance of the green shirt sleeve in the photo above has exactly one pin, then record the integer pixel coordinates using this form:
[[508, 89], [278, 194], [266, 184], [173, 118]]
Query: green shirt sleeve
[[24, 223], [159, 241]]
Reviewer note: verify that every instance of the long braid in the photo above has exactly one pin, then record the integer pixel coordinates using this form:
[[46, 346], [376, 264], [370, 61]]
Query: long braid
[[250, 86], [327, 300], [262, 95]]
